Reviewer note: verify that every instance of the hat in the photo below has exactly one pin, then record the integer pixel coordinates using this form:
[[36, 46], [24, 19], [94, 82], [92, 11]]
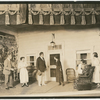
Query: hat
[[95, 54], [39, 73]]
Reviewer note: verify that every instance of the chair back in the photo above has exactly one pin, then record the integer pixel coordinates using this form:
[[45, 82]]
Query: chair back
[[86, 70], [91, 72], [70, 72]]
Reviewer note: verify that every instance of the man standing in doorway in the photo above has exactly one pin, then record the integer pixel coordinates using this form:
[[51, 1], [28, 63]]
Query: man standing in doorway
[[8, 72], [41, 66]]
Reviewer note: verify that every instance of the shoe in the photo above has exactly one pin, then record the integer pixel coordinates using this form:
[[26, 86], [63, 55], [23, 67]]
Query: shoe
[[40, 85], [62, 84], [22, 85], [10, 86], [27, 85], [59, 83], [43, 84], [7, 88]]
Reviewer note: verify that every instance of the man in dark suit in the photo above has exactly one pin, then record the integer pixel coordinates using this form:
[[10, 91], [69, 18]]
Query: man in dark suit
[[8, 72], [41, 66]]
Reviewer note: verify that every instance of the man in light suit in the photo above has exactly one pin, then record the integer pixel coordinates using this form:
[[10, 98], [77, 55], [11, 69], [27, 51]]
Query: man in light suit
[[8, 72], [41, 66]]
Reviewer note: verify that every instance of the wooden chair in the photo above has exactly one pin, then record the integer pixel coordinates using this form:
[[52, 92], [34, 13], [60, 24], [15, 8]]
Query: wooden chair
[[70, 73]]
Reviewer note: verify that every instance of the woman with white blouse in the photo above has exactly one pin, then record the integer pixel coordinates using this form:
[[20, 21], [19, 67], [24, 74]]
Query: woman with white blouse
[[23, 72]]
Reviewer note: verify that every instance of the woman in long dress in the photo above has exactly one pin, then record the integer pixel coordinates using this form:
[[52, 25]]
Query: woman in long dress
[[96, 74], [23, 72], [59, 72]]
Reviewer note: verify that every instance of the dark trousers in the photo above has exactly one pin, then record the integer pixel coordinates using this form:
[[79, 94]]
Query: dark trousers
[[9, 80]]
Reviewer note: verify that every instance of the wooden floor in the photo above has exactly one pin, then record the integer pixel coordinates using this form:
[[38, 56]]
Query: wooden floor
[[51, 89]]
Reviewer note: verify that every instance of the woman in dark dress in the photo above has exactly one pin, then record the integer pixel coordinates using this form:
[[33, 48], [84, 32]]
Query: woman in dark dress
[[59, 72]]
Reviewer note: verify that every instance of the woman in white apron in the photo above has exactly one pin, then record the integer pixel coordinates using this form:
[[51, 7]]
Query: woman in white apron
[[23, 72], [96, 74]]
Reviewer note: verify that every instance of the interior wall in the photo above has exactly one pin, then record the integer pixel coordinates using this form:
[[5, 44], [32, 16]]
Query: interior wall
[[34, 41]]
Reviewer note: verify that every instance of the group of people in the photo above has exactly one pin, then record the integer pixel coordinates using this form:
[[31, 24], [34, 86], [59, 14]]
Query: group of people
[[96, 73], [41, 68], [23, 73]]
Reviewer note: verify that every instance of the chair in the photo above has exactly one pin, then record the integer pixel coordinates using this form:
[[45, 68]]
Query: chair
[[70, 72], [84, 81]]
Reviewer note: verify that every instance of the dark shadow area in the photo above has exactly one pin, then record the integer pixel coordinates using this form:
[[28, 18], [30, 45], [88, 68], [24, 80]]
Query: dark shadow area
[[47, 82], [32, 80], [94, 86], [16, 82]]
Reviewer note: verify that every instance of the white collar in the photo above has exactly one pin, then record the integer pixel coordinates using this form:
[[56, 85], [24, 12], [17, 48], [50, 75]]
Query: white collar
[[41, 58]]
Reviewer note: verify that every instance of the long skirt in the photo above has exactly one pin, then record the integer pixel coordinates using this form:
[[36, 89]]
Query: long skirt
[[59, 75], [24, 75], [96, 75]]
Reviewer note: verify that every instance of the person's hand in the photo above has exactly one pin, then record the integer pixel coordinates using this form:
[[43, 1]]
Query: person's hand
[[60, 69], [12, 69], [46, 68], [39, 71]]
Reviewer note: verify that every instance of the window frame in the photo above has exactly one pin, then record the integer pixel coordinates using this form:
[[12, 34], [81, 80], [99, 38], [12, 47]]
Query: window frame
[[82, 52], [28, 61]]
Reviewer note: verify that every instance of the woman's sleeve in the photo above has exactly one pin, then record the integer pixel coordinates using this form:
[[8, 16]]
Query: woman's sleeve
[[97, 62], [60, 64], [79, 67]]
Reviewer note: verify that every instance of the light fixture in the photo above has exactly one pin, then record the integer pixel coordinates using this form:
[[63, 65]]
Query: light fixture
[[52, 42]]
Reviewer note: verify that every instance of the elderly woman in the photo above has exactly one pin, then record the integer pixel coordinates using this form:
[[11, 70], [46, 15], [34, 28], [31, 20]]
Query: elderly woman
[[59, 71], [23, 72], [96, 74]]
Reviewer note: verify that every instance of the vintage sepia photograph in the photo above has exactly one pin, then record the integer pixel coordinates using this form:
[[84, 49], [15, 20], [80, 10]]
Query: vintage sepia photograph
[[50, 49]]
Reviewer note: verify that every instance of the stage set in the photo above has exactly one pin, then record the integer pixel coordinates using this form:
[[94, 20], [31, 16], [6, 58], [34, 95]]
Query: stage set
[[70, 31]]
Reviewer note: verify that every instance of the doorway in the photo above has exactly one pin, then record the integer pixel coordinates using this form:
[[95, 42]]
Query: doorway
[[52, 63]]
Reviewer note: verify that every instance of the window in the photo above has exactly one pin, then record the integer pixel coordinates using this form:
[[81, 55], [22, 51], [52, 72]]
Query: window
[[31, 60], [83, 55]]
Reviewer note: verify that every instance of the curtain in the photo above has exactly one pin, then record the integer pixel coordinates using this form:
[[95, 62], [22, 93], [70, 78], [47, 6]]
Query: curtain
[[63, 14], [12, 14], [49, 14]]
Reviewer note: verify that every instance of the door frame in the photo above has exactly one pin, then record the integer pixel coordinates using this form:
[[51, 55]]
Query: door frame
[[53, 66]]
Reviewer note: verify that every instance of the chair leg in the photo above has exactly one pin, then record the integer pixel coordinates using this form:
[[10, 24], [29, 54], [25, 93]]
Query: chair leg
[[75, 84]]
